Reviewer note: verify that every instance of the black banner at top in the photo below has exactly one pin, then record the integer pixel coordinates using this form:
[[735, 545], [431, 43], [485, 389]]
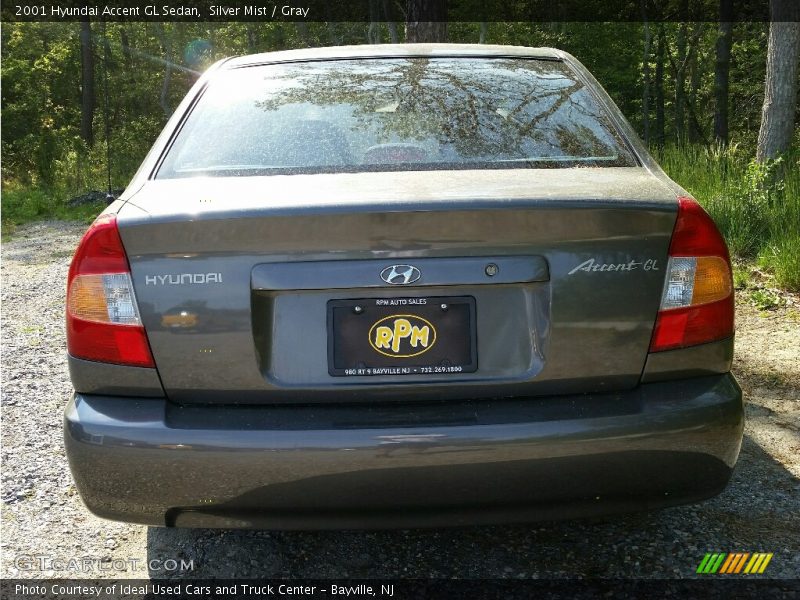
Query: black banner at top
[[424, 10]]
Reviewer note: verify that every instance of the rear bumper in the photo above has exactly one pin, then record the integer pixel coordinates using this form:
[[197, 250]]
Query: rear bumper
[[150, 461]]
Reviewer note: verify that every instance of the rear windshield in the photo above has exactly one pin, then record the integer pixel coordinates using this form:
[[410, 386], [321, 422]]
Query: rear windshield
[[394, 114]]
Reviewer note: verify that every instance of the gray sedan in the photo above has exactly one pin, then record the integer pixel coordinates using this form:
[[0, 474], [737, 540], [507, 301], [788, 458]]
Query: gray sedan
[[391, 286]]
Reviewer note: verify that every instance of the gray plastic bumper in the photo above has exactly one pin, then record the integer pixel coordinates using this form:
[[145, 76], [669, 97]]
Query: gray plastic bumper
[[147, 460]]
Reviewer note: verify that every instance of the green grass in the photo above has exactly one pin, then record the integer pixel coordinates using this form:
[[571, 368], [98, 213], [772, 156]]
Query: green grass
[[757, 211], [22, 205]]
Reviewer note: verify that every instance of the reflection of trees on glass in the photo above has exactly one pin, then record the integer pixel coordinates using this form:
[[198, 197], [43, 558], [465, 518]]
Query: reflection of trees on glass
[[397, 113]]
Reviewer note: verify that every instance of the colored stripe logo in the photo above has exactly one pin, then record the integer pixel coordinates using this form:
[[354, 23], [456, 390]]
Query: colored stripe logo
[[743, 563]]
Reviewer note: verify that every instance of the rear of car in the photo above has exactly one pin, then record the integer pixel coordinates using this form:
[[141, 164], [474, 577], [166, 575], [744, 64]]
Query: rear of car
[[398, 286]]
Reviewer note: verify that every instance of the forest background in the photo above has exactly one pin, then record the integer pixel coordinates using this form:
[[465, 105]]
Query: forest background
[[82, 101]]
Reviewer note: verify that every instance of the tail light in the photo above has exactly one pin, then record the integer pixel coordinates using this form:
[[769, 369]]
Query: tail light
[[697, 303], [103, 321]]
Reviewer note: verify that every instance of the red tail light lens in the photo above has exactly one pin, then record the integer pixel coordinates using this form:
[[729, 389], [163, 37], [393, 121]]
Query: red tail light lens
[[697, 303], [103, 321]]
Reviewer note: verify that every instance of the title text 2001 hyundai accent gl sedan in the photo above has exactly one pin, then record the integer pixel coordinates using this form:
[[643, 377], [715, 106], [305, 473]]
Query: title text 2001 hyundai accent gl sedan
[[398, 286]]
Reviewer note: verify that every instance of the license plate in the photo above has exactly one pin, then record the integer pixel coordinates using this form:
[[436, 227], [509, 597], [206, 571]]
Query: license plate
[[402, 336]]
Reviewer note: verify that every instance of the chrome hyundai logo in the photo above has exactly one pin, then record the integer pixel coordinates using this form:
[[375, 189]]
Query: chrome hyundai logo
[[400, 274]]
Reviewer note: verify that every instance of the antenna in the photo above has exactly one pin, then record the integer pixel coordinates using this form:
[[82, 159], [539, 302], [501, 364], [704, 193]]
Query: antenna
[[110, 194]]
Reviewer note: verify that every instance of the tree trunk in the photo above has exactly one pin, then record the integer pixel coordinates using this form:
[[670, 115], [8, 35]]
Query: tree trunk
[[302, 31], [107, 62], [646, 78], [126, 50], [87, 83], [166, 47], [332, 37], [694, 83], [374, 33], [780, 87], [482, 35], [426, 21], [330, 26], [659, 93], [722, 69], [251, 38], [374, 29], [393, 36], [680, 85]]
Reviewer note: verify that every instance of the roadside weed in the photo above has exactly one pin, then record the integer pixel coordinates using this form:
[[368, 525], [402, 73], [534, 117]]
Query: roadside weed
[[756, 206]]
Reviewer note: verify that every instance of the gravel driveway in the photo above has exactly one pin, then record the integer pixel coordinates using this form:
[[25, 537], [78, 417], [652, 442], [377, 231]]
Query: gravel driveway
[[43, 515]]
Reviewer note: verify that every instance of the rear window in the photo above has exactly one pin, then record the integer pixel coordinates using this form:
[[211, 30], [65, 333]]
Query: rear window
[[394, 114]]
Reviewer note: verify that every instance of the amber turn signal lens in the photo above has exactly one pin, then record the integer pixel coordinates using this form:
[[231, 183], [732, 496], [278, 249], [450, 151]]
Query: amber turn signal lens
[[712, 280], [87, 299]]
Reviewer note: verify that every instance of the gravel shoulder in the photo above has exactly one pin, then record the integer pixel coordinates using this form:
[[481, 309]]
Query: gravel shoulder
[[43, 515]]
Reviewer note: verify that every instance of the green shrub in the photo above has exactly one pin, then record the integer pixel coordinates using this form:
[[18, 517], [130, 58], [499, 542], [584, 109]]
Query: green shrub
[[782, 258], [25, 204], [756, 206]]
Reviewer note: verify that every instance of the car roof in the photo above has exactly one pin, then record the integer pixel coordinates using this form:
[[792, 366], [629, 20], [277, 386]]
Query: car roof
[[392, 50]]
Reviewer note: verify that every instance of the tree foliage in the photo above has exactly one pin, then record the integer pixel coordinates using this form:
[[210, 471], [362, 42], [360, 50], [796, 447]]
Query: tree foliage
[[150, 66]]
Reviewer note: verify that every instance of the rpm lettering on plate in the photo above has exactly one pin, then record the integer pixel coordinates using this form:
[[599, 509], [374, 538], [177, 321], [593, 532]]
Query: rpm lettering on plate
[[402, 336]]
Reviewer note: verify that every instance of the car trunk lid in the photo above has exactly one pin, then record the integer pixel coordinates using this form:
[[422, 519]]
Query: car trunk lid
[[235, 277]]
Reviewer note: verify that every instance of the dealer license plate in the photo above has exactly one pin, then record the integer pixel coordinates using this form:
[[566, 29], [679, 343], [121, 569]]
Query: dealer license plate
[[402, 336]]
